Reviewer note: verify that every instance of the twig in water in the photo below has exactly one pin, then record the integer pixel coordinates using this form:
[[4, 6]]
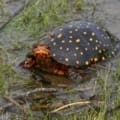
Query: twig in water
[[38, 90], [71, 104]]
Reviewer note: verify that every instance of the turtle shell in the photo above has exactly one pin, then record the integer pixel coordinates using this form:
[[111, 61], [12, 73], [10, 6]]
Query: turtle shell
[[80, 43]]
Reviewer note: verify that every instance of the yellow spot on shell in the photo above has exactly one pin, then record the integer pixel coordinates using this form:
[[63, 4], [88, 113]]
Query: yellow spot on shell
[[77, 40], [100, 51], [54, 55], [96, 48], [81, 53], [62, 41], [103, 58], [75, 54], [91, 39], [66, 59], [113, 52], [86, 63], [85, 33], [67, 49], [86, 49], [52, 40], [70, 41], [77, 62], [77, 48], [96, 59], [54, 43], [93, 34], [59, 35], [76, 29], [96, 41]]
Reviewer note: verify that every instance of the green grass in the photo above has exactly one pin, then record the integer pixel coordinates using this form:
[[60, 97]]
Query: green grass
[[7, 75], [44, 15]]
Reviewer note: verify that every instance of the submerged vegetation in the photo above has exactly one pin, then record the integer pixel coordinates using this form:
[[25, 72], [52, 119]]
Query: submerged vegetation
[[40, 17]]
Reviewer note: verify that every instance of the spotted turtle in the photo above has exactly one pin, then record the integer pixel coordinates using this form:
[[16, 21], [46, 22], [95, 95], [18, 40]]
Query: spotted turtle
[[77, 44]]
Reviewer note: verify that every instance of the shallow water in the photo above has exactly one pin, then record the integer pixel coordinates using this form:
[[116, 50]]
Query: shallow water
[[17, 44]]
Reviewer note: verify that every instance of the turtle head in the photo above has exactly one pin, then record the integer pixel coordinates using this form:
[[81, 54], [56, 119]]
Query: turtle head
[[38, 57], [41, 51]]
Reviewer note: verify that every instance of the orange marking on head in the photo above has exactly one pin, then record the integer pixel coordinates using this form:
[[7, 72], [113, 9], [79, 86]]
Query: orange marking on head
[[41, 50]]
